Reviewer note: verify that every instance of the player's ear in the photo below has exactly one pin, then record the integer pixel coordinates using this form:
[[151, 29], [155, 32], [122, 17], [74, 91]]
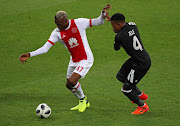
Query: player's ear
[[66, 21]]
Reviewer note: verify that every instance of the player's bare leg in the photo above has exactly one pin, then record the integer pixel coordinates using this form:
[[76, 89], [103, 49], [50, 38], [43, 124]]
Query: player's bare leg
[[72, 89], [74, 85]]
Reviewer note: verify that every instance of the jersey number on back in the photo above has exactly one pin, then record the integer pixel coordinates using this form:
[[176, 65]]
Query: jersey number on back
[[136, 44]]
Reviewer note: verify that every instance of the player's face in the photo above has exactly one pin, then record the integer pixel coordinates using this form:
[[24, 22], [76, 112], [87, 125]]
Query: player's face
[[62, 24], [116, 26]]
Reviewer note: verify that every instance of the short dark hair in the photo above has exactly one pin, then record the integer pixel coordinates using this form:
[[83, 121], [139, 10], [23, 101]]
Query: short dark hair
[[118, 17]]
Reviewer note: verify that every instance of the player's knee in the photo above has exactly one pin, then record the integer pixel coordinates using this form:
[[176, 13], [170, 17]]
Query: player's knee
[[68, 86], [128, 86], [71, 82]]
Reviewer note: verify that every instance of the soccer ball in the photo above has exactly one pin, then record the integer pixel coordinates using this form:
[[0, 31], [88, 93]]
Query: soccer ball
[[43, 110]]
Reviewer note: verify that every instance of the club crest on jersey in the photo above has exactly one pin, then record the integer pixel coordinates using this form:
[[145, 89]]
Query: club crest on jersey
[[74, 30], [73, 42]]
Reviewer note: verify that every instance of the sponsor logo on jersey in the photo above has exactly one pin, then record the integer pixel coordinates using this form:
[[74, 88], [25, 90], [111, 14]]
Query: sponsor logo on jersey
[[73, 42]]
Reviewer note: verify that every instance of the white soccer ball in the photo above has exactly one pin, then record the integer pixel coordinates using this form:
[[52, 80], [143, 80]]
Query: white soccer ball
[[43, 110]]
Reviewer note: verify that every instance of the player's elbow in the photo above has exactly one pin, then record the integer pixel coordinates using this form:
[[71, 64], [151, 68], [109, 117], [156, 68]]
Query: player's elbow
[[116, 48], [98, 21], [101, 21]]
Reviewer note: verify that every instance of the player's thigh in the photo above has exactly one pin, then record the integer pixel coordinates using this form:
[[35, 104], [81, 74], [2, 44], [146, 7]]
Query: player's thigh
[[124, 71], [135, 75], [71, 67], [83, 67]]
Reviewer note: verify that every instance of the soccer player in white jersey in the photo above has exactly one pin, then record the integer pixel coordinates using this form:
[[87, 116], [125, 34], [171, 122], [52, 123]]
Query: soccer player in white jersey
[[72, 35]]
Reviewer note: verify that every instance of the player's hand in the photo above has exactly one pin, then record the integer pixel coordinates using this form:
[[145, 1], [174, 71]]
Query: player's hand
[[24, 57], [105, 13]]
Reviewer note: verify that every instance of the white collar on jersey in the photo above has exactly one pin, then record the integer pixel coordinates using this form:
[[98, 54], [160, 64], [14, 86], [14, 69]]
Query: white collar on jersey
[[69, 25]]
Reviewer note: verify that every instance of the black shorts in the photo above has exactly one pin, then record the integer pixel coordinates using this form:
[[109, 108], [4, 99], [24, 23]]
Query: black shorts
[[130, 72]]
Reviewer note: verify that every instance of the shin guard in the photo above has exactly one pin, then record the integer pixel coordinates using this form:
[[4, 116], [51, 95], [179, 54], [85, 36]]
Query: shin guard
[[131, 94]]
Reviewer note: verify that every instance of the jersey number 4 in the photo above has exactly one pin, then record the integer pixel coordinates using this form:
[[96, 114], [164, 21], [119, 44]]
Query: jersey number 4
[[136, 44]]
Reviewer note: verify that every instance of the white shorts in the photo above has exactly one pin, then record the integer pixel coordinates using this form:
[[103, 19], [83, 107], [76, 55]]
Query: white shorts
[[82, 67]]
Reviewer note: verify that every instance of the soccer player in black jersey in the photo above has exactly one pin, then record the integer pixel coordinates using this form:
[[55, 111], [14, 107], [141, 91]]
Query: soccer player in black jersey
[[133, 70]]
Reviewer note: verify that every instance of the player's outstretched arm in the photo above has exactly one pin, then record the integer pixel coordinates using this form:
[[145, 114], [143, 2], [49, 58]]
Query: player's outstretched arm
[[44, 49], [23, 58]]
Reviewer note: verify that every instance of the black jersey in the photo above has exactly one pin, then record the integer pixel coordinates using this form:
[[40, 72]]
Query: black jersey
[[130, 40]]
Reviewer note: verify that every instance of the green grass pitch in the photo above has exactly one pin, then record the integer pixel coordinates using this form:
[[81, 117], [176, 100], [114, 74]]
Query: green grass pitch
[[25, 25]]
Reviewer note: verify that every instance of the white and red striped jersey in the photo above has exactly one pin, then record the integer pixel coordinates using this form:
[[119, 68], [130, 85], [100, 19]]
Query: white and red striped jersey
[[73, 38]]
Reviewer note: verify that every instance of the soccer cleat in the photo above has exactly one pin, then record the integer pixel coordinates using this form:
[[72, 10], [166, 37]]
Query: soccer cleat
[[87, 104], [141, 110], [142, 96], [77, 106], [82, 105]]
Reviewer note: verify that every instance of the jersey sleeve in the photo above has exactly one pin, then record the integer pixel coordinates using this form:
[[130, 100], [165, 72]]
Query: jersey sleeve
[[98, 21], [54, 37], [86, 23], [117, 42], [50, 42], [44, 49]]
